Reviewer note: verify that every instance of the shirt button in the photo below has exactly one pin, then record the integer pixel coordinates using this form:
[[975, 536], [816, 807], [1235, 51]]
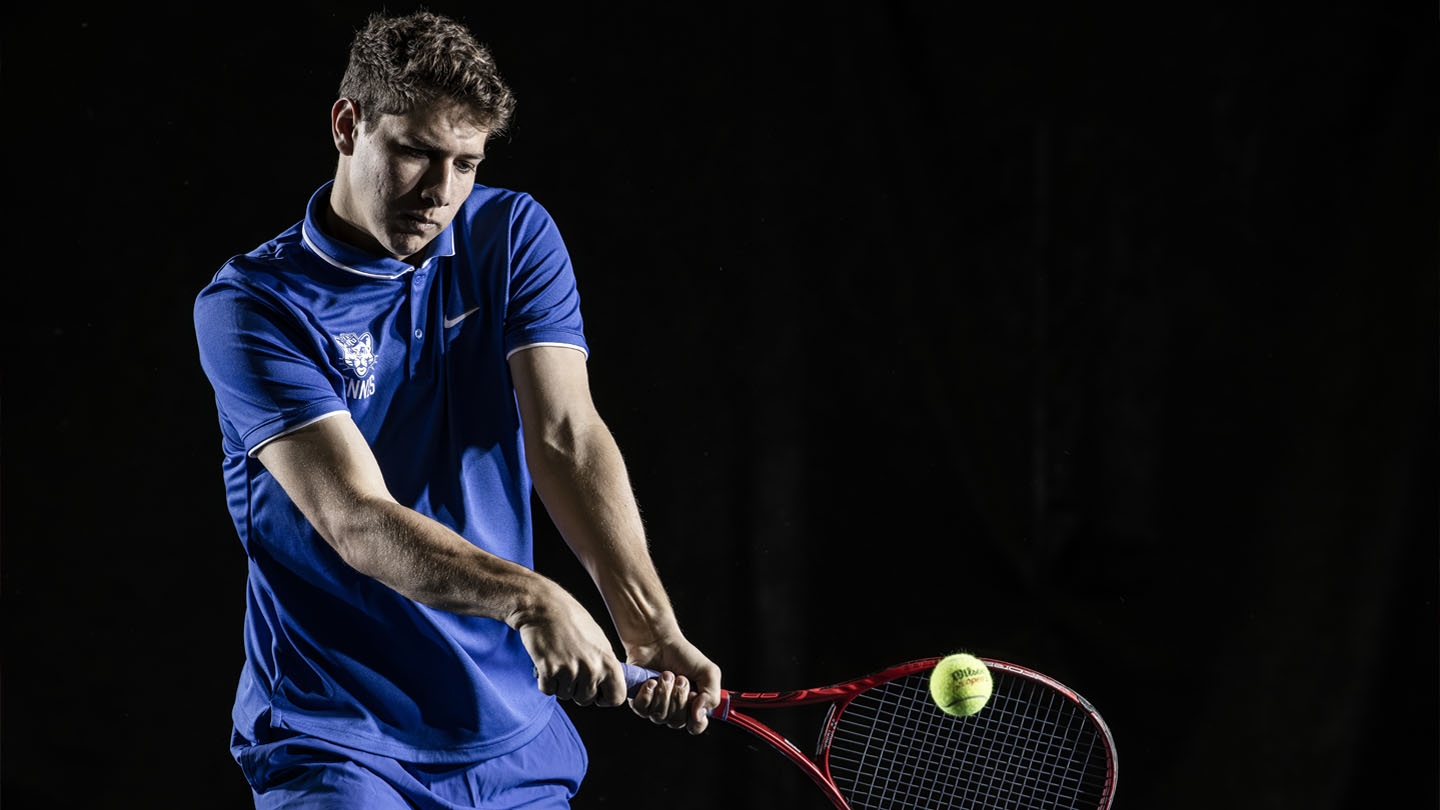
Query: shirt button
[[419, 334]]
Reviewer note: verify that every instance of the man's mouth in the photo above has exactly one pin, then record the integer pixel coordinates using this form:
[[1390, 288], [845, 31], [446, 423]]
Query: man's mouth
[[419, 224]]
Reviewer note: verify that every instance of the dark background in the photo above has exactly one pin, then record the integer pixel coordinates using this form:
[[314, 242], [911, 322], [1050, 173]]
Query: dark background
[[1097, 338]]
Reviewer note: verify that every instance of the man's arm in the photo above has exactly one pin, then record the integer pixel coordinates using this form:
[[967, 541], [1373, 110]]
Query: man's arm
[[330, 473], [582, 480]]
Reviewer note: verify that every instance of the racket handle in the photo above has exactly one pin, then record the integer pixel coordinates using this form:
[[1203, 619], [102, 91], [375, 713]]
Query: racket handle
[[634, 676]]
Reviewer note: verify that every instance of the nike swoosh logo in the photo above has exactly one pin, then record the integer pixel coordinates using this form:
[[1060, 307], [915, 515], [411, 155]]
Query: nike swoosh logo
[[449, 322]]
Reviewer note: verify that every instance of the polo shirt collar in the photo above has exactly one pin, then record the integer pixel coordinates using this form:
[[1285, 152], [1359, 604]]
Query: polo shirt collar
[[351, 259]]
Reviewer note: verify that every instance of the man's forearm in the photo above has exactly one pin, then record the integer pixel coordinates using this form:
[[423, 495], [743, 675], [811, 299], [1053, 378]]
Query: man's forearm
[[427, 562], [586, 490]]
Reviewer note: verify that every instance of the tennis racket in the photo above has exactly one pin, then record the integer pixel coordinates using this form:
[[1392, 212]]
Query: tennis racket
[[885, 744]]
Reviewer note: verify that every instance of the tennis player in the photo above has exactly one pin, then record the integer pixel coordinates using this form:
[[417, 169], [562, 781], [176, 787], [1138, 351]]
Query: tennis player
[[393, 375]]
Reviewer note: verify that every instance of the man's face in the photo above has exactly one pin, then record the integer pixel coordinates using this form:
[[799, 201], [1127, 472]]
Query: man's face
[[401, 178]]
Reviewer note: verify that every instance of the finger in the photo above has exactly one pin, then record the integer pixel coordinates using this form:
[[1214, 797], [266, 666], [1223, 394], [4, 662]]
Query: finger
[[547, 683], [660, 703], [582, 691], [564, 685], [679, 699], [644, 696], [611, 692], [699, 717]]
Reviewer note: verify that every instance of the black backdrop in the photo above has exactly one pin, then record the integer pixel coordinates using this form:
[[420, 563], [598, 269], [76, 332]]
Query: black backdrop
[[1099, 339]]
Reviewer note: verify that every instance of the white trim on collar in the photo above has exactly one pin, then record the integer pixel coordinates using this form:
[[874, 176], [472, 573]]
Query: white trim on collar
[[332, 261]]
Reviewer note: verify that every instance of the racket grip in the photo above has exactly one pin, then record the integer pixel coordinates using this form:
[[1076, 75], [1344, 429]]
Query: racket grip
[[634, 676]]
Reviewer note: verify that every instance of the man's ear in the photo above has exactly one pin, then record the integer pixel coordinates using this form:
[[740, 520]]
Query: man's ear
[[345, 124]]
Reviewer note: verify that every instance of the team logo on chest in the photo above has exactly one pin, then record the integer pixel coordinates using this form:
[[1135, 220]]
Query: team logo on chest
[[358, 354]]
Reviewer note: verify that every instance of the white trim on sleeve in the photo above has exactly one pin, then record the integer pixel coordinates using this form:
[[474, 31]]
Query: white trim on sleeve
[[288, 431], [558, 344]]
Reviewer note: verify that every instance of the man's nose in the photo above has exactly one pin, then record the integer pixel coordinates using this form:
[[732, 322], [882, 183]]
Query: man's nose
[[435, 187]]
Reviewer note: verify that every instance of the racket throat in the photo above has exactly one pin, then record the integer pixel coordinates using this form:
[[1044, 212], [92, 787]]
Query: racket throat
[[722, 712]]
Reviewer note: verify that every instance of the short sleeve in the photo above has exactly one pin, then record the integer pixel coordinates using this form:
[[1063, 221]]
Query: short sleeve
[[544, 305], [268, 371]]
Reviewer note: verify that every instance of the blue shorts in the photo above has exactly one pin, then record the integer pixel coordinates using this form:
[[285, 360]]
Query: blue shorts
[[301, 772]]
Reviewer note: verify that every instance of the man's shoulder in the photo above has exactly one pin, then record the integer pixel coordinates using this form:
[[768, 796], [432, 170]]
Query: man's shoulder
[[493, 210], [495, 200], [263, 267]]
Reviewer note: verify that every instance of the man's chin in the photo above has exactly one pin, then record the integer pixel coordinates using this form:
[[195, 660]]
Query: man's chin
[[403, 246]]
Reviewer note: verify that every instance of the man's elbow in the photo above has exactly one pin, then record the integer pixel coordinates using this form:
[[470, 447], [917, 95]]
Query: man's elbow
[[356, 532]]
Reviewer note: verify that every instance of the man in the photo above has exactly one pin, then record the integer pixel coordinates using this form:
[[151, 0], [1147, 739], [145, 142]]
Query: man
[[393, 374]]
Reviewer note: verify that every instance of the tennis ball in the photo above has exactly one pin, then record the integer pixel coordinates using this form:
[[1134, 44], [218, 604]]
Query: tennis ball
[[960, 684]]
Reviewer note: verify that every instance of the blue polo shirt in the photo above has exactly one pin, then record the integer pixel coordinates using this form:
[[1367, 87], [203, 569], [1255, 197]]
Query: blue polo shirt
[[304, 328]]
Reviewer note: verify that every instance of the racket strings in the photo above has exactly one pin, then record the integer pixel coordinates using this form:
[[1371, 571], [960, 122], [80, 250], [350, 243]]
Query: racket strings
[[1029, 748]]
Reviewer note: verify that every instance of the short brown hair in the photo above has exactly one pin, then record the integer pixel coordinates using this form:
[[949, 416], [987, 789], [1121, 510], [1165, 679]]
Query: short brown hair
[[399, 63]]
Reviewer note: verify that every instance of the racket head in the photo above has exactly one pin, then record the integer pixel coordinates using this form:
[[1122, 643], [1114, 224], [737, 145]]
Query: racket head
[[885, 744], [1036, 744]]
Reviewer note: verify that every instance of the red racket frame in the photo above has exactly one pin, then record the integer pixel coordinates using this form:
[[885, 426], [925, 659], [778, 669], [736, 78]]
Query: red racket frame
[[840, 695]]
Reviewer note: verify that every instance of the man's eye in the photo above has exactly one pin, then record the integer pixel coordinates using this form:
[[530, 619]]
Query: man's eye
[[464, 167]]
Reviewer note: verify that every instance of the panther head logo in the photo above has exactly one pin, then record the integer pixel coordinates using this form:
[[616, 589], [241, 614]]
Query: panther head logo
[[358, 351]]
